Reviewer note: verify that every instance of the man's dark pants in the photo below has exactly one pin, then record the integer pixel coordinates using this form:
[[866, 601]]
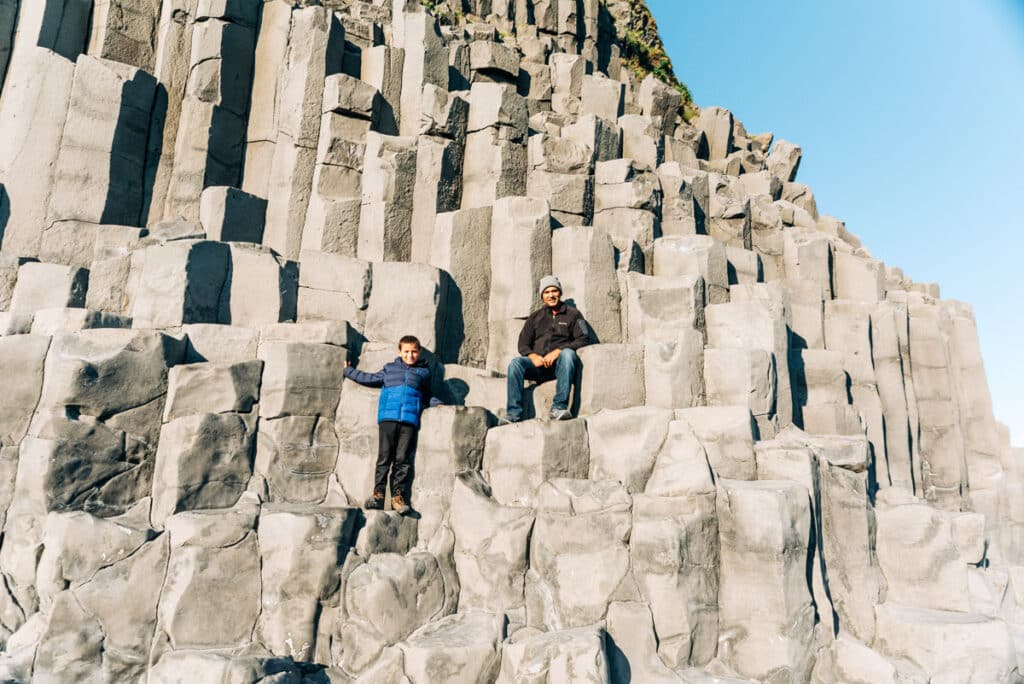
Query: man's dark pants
[[521, 368]]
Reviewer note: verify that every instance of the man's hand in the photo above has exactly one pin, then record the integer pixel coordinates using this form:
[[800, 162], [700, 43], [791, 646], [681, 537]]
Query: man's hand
[[538, 360], [347, 363], [551, 357]]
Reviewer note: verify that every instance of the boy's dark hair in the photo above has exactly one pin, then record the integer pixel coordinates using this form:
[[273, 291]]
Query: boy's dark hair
[[409, 339]]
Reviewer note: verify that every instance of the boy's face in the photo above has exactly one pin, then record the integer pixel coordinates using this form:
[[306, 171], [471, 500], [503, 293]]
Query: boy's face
[[410, 353]]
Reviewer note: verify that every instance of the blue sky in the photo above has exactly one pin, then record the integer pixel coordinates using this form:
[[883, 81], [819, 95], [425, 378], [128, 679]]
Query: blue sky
[[911, 118]]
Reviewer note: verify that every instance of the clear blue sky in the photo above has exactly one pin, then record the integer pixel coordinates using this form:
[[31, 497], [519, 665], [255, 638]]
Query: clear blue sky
[[911, 117]]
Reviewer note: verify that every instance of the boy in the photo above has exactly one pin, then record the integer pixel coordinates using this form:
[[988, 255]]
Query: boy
[[406, 383]]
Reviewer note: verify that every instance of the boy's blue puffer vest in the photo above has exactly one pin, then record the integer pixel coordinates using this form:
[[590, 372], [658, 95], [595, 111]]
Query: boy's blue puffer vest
[[405, 387]]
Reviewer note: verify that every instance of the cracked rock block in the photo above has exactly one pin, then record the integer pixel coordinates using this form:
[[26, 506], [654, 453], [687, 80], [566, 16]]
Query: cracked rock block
[[210, 143], [675, 560], [579, 552], [231, 215], [386, 599], [335, 204], [808, 257], [583, 258], [217, 667], [612, 377], [656, 307], [681, 468], [410, 299], [492, 543], [220, 343], [633, 651], [105, 372], [848, 660], [261, 287], [22, 357], [727, 211], [941, 435], [464, 647], [385, 222], [728, 434], [820, 379], [333, 287], [678, 213], [766, 618], [212, 388], [660, 100], [204, 461], [625, 444], [494, 168], [98, 177], [784, 160], [462, 248], [806, 314], [802, 197], [642, 140], [919, 558], [694, 255], [356, 428], [576, 655], [296, 455], [426, 60], [494, 60], [847, 534], [451, 440], [313, 52], [381, 67], [37, 91], [888, 325], [858, 278], [177, 283], [124, 31], [45, 286], [520, 256], [960, 646], [752, 325], [742, 376], [300, 379], [633, 232], [602, 97], [439, 155], [211, 594], [571, 195], [674, 371], [301, 550], [718, 127], [519, 458]]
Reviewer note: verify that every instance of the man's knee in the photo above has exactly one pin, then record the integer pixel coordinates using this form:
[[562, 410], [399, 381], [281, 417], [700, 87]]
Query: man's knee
[[518, 366], [568, 356]]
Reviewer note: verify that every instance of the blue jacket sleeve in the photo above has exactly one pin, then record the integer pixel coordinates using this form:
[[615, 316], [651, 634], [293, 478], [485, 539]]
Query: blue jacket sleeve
[[363, 378]]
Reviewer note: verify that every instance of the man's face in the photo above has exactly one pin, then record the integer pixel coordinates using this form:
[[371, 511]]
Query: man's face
[[410, 353], [551, 296]]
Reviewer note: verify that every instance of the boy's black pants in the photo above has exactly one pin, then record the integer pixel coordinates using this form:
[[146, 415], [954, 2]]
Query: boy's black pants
[[397, 446]]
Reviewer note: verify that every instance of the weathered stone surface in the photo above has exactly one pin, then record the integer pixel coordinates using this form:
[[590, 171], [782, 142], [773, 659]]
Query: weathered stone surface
[[563, 655], [519, 458], [299, 378]]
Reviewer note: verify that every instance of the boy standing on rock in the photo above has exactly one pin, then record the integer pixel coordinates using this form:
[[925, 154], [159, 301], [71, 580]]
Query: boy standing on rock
[[406, 388], [548, 344]]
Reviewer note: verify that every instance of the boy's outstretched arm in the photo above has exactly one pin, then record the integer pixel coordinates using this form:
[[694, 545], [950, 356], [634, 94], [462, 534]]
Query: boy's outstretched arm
[[363, 378]]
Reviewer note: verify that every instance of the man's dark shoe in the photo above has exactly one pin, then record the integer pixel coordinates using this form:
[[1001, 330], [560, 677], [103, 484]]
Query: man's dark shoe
[[560, 414], [399, 505], [375, 502]]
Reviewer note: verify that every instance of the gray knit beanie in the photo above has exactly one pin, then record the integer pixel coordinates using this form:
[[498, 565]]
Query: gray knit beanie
[[549, 281]]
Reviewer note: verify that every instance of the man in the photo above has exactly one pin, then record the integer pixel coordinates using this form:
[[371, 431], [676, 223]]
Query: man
[[548, 344]]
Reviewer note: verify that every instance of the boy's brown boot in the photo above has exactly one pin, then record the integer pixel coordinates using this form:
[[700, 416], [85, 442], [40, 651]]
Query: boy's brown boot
[[399, 505], [375, 502]]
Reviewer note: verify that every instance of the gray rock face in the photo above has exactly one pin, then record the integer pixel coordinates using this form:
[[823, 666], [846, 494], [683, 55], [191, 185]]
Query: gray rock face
[[783, 464]]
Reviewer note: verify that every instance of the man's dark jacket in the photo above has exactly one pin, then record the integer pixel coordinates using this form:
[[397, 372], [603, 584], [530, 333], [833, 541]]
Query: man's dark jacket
[[543, 333]]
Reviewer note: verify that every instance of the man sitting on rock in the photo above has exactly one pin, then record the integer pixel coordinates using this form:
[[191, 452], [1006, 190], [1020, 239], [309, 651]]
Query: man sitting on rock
[[548, 344]]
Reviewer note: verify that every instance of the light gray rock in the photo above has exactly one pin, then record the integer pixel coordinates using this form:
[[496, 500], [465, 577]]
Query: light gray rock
[[409, 299], [579, 552], [625, 444], [300, 379], [220, 667], [300, 551], [656, 307], [674, 371], [583, 258], [465, 647], [520, 256], [220, 343], [385, 222], [564, 655], [261, 288], [204, 461], [462, 249], [231, 215], [491, 548], [212, 388], [519, 458], [296, 455], [23, 357], [612, 377], [42, 286], [178, 282], [675, 559], [694, 255], [633, 650], [728, 434], [764, 529]]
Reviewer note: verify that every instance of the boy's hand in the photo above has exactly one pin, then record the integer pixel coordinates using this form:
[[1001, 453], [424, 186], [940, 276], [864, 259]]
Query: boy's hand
[[538, 360]]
